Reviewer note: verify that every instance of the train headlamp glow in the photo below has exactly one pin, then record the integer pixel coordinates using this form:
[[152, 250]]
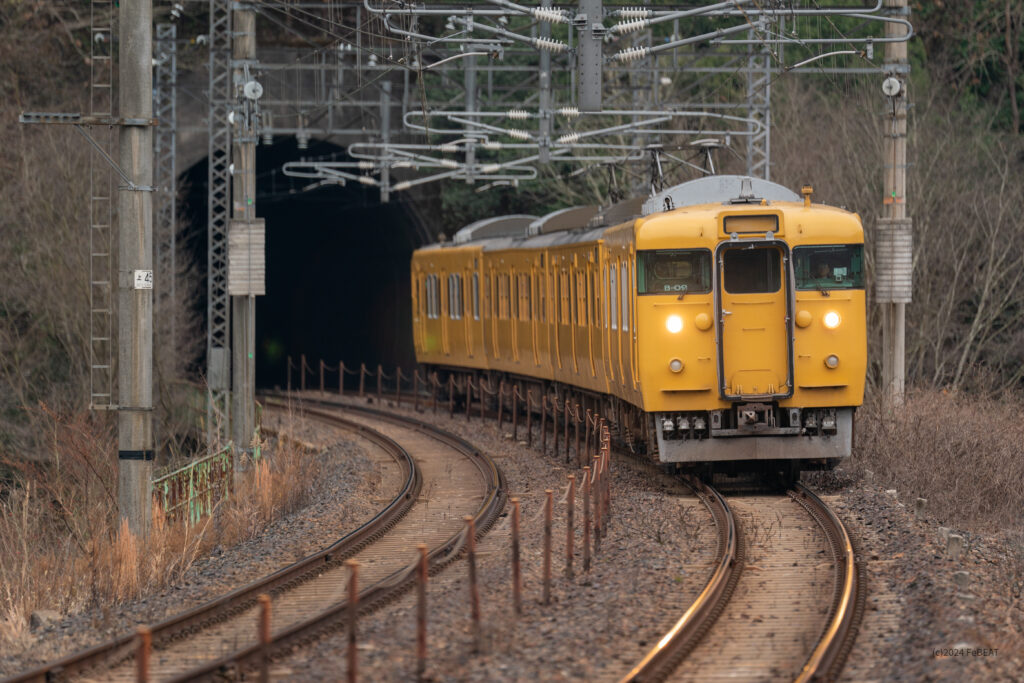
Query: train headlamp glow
[[832, 320], [832, 361], [674, 323]]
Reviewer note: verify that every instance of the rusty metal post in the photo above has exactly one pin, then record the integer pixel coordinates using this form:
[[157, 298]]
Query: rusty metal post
[[469, 394], [548, 505], [434, 386], [145, 643], [565, 432], [302, 373], [480, 386], [353, 615], [416, 389], [515, 412], [529, 417], [474, 593], [570, 511], [586, 518], [398, 385], [517, 577], [362, 379], [544, 423], [341, 378], [288, 385], [597, 504], [586, 433], [576, 429], [451, 395], [264, 638], [380, 381], [501, 404], [421, 613], [321, 375]]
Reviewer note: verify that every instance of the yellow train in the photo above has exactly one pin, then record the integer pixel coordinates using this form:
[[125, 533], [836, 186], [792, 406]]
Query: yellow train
[[718, 321]]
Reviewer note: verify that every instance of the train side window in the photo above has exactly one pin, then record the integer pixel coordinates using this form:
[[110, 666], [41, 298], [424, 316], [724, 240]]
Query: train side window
[[514, 298], [614, 298], [752, 271], [625, 299], [524, 297], [476, 296]]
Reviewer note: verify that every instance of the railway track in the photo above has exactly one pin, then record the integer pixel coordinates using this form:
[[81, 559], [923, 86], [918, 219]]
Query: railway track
[[446, 479], [766, 616]]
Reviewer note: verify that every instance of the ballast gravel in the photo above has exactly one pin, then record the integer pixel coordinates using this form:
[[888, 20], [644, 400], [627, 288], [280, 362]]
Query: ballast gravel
[[345, 496]]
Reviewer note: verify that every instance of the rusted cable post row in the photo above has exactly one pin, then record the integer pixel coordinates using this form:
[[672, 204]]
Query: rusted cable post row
[[474, 593], [517, 577], [576, 429], [362, 379], [321, 375], [501, 405], [451, 395], [398, 385], [529, 417], [570, 509], [421, 613], [515, 412], [380, 381], [565, 432], [353, 615], [548, 504], [597, 503], [145, 643], [544, 423], [264, 638], [586, 519], [341, 378], [469, 395]]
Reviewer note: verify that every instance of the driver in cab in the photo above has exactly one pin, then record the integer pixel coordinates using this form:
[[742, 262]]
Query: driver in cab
[[822, 276]]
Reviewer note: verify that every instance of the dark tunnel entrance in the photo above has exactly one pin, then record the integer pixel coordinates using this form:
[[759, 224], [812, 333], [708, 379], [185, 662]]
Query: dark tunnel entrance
[[338, 285]]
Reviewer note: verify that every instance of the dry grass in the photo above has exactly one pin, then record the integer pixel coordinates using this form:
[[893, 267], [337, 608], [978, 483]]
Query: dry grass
[[63, 546], [960, 451]]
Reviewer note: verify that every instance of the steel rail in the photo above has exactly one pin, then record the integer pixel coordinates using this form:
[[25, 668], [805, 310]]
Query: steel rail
[[106, 655], [383, 592], [829, 655], [684, 635]]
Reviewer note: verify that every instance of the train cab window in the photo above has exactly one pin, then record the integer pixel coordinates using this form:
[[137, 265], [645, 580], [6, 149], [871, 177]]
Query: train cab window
[[839, 266], [476, 296], [673, 271], [752, 271]]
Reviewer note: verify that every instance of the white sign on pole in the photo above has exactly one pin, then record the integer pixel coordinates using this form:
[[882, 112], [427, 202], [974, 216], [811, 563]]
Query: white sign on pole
[[143, 279]]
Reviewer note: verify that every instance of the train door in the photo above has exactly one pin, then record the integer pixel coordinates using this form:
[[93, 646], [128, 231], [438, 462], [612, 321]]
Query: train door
[[755, 357]]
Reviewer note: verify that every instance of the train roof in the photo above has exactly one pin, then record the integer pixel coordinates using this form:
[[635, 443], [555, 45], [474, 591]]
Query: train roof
[[585, 223]]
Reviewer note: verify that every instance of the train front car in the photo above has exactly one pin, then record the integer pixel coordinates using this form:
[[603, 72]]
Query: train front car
[[751, 316]]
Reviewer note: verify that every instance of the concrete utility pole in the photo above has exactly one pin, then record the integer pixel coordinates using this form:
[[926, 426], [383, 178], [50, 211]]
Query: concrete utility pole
[[135, 267], [894, 245], [591, 54], [245, 248]]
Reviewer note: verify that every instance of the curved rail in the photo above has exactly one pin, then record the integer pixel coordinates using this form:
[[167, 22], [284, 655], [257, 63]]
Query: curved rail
[[388, 589], [225, 606], [661, 660], [829, 655]]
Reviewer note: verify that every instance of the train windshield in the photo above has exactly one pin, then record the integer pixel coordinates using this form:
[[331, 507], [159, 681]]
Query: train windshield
[[673, 271], [838, 266]]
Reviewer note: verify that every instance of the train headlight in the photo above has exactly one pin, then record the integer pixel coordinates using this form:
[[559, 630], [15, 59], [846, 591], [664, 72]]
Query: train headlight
[[832, 320], [832, 362], [674, 323], [675, 365]]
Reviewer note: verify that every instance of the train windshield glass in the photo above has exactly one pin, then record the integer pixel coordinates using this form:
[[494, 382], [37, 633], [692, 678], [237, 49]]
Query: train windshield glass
[[673, 271], [829, 267]]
